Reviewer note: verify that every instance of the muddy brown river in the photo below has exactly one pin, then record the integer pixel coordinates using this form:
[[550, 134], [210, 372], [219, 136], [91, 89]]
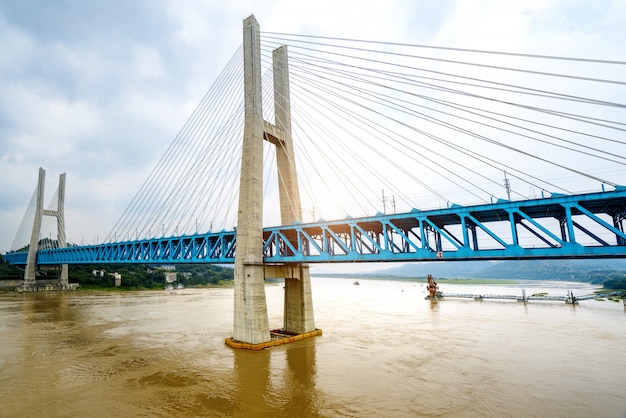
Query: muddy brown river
[[384, 352]]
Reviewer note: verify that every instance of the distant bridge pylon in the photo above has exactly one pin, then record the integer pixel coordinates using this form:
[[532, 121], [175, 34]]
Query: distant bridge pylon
[[30, 282]]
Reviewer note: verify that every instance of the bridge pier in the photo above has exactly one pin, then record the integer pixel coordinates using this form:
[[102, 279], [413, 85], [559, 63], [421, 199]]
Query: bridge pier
[[251, 323], [251, 327], [298, 303]]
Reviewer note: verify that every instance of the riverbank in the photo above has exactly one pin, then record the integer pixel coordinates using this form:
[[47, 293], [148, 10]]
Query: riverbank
[[221, 284], [8, 286]]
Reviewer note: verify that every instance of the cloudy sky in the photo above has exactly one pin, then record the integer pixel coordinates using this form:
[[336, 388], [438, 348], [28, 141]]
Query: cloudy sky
[[98, 89]]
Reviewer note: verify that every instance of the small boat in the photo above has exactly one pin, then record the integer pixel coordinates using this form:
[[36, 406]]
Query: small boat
[[356, 283], [169, 287]]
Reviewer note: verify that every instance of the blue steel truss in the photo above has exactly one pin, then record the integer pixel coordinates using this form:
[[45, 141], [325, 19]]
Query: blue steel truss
[[207, 248], [560, 226]]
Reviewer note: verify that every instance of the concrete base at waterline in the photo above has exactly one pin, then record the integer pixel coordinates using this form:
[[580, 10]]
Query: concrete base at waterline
[[46, 286], [279, 337]]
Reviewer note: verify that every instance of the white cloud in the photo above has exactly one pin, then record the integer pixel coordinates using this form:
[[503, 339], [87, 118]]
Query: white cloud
[[100, 89]]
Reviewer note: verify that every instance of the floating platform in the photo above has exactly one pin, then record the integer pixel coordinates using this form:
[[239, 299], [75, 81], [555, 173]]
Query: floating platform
[[569, 298], [279, 337]]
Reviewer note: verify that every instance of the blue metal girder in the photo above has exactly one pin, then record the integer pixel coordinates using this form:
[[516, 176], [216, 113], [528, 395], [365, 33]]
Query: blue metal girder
[[576, 226], [217, 248]]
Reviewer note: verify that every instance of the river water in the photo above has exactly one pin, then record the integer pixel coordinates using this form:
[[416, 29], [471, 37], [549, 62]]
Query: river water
[[384, 352]]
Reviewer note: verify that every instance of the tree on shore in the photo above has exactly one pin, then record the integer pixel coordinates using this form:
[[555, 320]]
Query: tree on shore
[[615, 281]]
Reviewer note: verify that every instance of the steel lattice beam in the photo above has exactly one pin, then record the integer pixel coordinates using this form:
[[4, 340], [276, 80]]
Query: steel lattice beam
[[572, 226]]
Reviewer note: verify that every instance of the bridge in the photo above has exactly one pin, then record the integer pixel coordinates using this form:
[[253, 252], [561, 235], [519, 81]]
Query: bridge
[[556, 225], [454, 233]]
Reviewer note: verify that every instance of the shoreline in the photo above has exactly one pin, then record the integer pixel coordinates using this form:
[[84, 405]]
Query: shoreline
[[459, 280]]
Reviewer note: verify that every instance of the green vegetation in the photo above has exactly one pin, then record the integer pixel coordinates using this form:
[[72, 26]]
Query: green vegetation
[[476, 281], [134, 276], [465, 280], [10, 272], [615, 281], [141, 276]]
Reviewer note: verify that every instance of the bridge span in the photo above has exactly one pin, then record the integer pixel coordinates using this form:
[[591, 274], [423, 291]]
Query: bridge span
[[561, 226]]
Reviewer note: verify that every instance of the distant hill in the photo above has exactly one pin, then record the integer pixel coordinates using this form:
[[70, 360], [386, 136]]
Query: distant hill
[[594, 271]]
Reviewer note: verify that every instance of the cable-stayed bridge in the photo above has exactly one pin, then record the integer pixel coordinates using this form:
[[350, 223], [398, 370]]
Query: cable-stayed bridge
[[382, 134], [554, 226], [500, 144]]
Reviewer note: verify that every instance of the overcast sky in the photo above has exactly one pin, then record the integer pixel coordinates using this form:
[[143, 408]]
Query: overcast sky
[[98, 89]]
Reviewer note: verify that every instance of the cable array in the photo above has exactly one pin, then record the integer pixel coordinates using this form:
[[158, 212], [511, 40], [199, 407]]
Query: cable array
[[195, 184], [441, 129], [382, 127], [22, 236], [49, 225]]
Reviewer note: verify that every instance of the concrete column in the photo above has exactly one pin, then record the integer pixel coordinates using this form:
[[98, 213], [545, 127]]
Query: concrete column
[[298, 316], [31, 261], [290, 209], [251, 323], [63, 278]]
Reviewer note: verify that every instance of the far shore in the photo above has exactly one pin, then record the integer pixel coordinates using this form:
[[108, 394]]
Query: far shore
[[463, 280]]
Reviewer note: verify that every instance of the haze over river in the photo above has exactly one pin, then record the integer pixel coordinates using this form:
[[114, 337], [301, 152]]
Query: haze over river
[[384, 352]]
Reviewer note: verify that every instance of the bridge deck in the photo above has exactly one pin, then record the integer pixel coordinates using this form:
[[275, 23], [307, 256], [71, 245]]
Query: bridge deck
[[560, 226]]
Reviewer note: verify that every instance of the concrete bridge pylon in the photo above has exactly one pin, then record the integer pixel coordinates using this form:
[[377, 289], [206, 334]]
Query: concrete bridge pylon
[[298, 316], [30, 282], [251, 325]]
